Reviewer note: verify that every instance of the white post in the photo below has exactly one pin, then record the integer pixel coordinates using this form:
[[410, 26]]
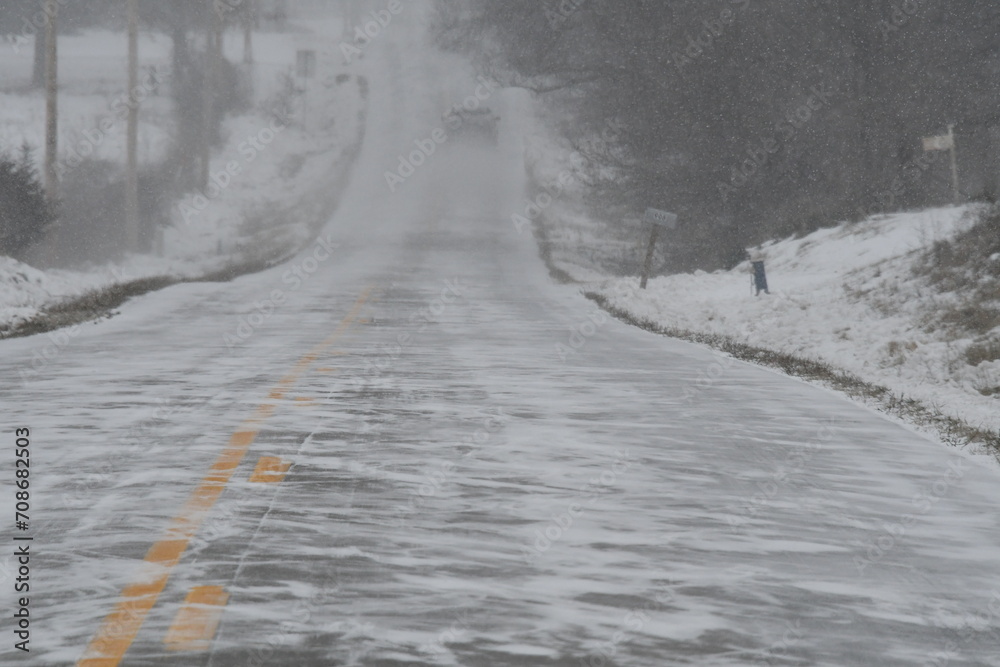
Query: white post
[[647, 265], [249, 22], [213, 54], [305, 104], [954, 165]]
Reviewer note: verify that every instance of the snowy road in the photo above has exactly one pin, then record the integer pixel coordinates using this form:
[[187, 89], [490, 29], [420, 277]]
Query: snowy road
[[483, 469]]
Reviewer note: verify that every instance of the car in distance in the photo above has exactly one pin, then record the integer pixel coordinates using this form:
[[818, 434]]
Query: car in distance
[[480, 123]]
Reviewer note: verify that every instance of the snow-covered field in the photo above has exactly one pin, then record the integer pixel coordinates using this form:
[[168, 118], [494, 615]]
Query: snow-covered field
[[92, 88], [269, 166]]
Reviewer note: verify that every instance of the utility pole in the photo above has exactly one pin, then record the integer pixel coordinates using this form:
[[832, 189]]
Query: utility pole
[[51, 9], [213, 51], [350, 18], [656, 219], [956, 191], [38, 61], [249, 22], [647, 264], [132, 140]]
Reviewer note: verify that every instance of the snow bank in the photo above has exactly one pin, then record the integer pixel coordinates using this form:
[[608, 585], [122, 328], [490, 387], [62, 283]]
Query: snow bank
[[846, 296]]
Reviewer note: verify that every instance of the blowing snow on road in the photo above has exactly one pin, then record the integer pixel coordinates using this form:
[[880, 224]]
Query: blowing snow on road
[[409, 445]]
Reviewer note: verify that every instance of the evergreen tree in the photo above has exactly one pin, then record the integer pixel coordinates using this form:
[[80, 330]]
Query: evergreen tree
[[25, 213]]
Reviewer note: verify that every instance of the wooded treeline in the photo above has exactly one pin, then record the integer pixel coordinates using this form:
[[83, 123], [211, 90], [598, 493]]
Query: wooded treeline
[[753, 119]]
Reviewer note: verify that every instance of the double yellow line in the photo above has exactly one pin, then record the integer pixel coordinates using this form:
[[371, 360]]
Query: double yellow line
[[121, 626]]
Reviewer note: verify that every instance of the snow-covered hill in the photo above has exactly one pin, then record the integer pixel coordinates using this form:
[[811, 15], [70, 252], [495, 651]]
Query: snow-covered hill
[[852, 296]]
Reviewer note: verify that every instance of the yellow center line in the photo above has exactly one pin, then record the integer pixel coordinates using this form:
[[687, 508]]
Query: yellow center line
[[122, 625], [197, 620], [270, 469]]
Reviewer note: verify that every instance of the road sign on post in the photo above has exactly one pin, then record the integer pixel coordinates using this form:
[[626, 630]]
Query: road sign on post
[[942, 142], [659, 220], [946, 142]]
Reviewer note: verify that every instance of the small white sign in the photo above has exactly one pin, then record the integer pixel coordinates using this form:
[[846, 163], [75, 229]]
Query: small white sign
[[662, 218], [943, 142]]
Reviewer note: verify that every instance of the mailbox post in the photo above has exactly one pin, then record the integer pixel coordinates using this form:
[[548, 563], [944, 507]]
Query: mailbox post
[[657, 220]]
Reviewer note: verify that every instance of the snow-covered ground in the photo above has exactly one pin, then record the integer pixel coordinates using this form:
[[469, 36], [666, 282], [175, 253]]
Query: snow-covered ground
[[24, 290], [264, 175], [851, 296], [458, 492], [847, 296]]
